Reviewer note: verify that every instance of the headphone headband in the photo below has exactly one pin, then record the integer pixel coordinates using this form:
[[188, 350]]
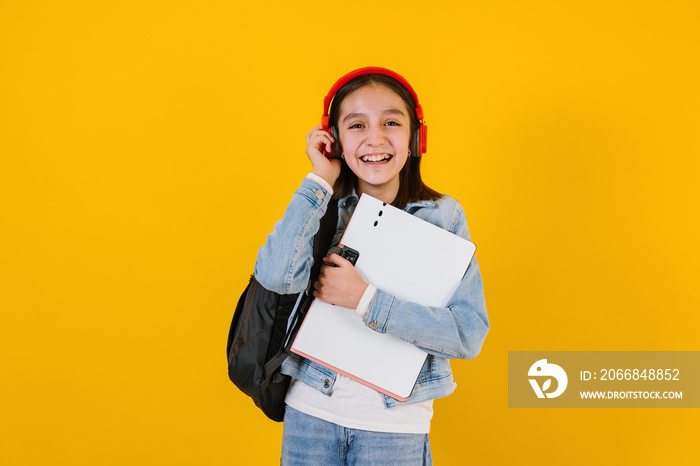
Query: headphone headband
[[376, 70], [364, 71]]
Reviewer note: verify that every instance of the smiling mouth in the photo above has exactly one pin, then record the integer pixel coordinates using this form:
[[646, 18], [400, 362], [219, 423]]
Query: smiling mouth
[[376, 158]]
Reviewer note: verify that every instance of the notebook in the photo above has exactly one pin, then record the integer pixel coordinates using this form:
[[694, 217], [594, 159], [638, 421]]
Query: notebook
[[404, 256]]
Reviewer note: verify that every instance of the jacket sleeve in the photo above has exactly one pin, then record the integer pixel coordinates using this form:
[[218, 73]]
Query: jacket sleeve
[[455, 331], [284, 262]]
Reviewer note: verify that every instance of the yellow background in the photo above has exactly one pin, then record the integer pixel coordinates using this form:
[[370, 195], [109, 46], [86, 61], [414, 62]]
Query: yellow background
[[148, 147]]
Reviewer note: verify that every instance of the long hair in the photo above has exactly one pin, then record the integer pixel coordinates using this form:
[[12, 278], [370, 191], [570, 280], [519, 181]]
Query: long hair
[[411, 186]]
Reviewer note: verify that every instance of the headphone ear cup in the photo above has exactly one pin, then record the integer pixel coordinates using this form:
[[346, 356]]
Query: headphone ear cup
[[423, 130], [416, 143], [336, 148]]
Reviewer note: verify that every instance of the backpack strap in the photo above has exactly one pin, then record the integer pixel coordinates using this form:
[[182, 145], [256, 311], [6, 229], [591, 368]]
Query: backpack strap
[[322, 242], [323, 239]]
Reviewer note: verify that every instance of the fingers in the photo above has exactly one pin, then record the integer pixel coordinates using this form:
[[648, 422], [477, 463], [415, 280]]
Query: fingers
[[321, 142], [323, 285], [318, 141], [310, 133], [320, 291], [337, 260], [339, 283], [319, 138]]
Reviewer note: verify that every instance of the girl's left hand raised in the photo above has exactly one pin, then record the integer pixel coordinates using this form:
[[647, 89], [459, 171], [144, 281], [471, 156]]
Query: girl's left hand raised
[[341, 285]]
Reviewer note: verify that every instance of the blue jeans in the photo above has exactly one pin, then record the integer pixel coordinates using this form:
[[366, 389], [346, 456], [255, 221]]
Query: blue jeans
[[308, 440]]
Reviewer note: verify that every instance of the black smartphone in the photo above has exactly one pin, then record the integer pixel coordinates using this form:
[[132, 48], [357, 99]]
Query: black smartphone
[[347, 253], [350, 254]]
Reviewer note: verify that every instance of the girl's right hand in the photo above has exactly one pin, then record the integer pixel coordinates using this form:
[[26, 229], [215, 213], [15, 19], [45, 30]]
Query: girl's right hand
[[316, 141]]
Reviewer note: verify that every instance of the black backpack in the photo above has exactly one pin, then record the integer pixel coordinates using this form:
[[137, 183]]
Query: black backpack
[[260, 333]]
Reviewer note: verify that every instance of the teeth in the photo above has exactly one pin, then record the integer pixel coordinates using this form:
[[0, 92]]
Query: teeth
[[376, 158]]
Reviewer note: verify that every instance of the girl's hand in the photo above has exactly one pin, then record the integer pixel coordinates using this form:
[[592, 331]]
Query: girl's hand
[[316, 141], [341, 285]]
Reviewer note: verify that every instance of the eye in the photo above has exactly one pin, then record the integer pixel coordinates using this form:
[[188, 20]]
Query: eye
[[356, 125], [392, 123]]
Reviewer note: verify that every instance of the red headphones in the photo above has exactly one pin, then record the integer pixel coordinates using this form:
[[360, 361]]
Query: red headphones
[[421, 134]]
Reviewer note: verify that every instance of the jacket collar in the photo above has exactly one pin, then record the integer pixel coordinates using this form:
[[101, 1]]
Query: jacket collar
[[423, 203], [352, 199]]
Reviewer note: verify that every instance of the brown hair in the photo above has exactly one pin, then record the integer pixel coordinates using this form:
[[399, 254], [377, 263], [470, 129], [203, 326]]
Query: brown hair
[[411, 186]]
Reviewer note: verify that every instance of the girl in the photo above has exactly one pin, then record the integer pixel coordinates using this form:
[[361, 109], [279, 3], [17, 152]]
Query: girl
[[376, 137]]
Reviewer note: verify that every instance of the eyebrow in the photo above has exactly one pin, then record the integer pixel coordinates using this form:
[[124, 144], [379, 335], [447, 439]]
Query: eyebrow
[[390, 111]]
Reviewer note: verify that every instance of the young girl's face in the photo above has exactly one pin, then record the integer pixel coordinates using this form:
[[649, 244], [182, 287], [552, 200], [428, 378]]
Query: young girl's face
[[374, 129]]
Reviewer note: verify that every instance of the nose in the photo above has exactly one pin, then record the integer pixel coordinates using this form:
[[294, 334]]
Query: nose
[[375, 135]]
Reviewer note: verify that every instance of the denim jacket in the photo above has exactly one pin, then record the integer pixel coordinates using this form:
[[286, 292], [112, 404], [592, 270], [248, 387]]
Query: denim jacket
[[457, 331]]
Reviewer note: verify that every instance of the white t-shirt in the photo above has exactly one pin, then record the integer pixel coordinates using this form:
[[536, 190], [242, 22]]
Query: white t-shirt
[[357, 406]]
